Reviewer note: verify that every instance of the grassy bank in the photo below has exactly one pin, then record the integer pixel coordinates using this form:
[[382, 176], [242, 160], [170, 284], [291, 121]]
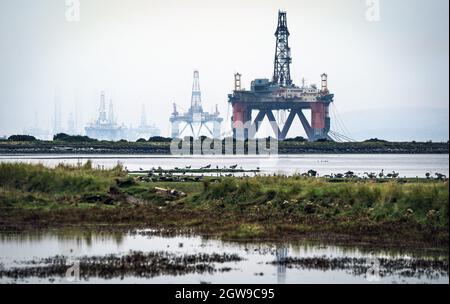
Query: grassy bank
[[383, 212]]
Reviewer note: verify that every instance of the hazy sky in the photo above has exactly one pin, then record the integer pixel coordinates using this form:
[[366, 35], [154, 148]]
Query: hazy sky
[[390, 77]]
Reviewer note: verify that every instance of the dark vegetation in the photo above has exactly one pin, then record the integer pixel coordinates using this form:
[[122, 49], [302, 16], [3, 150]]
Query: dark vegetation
[[25, 138], [296, 139], [73, 138], [404, 211], [376, 140], [159, 139], [64, 143]]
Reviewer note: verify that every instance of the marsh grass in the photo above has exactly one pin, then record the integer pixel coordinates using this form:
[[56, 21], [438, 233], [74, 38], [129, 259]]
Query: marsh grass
[[390, 201], [63, 179], [242, 208]]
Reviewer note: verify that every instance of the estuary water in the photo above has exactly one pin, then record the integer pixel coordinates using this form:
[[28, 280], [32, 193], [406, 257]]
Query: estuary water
[[411, 165], [30, 258]]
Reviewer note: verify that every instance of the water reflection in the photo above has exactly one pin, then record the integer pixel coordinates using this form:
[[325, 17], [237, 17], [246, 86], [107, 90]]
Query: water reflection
[[78, 236], [291, 262], [281, 255]]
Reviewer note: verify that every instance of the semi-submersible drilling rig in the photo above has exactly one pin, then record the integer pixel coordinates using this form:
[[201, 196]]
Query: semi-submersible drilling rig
[[281, 94], [195, 117]]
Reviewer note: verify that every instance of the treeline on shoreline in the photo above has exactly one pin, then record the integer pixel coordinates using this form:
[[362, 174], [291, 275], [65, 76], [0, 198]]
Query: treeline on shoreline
[[63, 143]]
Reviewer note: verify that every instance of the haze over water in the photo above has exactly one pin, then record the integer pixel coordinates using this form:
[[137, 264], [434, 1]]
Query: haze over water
[[390, 77]]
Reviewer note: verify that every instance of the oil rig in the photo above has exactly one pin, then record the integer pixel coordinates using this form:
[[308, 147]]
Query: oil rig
[[144, 130], [195, 118], [105, 127], [280, 94]]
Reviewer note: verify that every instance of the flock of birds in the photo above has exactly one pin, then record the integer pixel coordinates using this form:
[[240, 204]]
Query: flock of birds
[[373, 175], [313, 173], [183, 174], [234, 167]]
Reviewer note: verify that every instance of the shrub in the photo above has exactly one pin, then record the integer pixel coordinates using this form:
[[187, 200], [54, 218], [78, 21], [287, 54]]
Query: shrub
[[22, 138], [159, 139], [376, 140], [323, 140], [296, 139], [72, 138]]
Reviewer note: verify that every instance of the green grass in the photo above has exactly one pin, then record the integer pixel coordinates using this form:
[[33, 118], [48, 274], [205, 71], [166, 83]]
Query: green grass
[[62, 179], [246, 232], [237, 208], [421, 202]]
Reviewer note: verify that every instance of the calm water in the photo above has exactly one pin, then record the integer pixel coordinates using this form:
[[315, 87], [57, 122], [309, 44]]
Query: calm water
[[406, 165], [18, 249]]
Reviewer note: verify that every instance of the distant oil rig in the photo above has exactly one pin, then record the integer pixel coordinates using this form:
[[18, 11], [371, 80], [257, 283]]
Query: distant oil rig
[[280, 94], [249, 107], [144, 130], [107, 128], [195, 118]]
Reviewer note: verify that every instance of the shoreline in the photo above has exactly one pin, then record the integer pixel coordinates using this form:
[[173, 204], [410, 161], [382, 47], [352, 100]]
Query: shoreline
[[163, 148]]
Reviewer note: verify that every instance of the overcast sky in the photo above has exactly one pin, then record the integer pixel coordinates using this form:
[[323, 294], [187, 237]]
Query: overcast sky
[[390, 77]]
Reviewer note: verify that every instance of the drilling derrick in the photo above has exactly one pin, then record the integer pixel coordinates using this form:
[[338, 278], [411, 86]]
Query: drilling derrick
[[196, 100], [195, 118], [281, 94], [282, 70]]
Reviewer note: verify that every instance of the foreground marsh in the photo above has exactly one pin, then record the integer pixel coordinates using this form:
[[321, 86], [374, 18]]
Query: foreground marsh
[[273, 229], [403, 211]]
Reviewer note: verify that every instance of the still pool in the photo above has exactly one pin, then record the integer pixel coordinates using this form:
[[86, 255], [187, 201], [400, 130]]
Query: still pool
[[148, 256]]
